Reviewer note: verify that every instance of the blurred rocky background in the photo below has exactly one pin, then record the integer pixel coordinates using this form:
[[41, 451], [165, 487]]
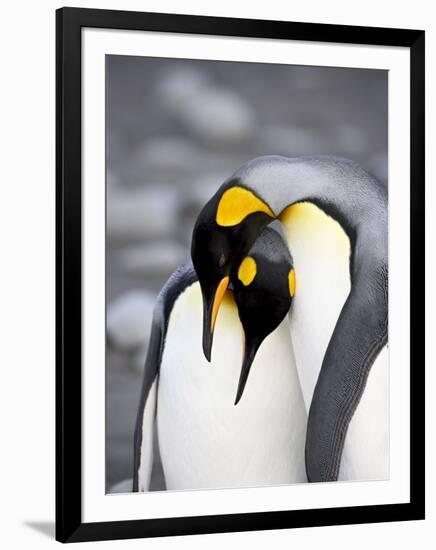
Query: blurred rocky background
[[176, 129]]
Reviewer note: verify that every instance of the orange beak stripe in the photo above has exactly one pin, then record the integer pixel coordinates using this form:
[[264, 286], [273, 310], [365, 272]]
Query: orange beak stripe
[[219, 294]]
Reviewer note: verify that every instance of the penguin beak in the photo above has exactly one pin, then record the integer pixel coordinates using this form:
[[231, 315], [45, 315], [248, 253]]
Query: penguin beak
[[211, 306], [250, 348]]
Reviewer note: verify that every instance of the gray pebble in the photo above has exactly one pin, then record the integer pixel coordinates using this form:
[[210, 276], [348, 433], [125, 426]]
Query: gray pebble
[[129, 320], [153, 259], [176, 86], [202, 188], [351, 139], [219, 115], [141, 214], [290, 140], [165, 156]]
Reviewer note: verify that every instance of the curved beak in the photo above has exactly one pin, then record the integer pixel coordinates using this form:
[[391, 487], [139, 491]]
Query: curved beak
[[211, 305], [250, 348]]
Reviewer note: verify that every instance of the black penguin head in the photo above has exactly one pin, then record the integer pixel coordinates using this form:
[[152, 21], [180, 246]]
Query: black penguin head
[[216, 250], [223, 234], [264, 286]]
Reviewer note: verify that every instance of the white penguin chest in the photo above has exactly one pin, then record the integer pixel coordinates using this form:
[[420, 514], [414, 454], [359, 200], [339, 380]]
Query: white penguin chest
[[321, 251], [205, 440]]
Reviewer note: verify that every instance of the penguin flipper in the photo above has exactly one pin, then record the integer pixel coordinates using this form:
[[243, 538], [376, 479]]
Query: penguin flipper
[[344, 372], [144, 452], [143, 439]]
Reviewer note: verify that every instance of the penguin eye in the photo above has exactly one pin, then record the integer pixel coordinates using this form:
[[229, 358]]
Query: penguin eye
[[221, 261]]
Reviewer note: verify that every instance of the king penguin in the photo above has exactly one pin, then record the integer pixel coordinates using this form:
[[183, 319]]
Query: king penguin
[[208, 438]]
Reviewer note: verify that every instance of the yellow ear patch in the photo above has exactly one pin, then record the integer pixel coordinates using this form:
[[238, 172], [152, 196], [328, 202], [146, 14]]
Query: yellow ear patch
[[292, 282], [247, 271], [236, 204]]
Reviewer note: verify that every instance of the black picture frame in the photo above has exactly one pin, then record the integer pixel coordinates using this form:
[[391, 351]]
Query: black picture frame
[[69, 525]]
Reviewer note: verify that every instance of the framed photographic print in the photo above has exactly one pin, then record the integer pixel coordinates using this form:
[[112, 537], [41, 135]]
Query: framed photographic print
[[240, 274]]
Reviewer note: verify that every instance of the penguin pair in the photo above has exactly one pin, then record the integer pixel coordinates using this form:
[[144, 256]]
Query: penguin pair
[[335, 219], [205, 441]]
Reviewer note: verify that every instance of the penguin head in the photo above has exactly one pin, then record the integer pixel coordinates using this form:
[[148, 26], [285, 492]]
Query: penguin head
[[224, 232], [264, 287]]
